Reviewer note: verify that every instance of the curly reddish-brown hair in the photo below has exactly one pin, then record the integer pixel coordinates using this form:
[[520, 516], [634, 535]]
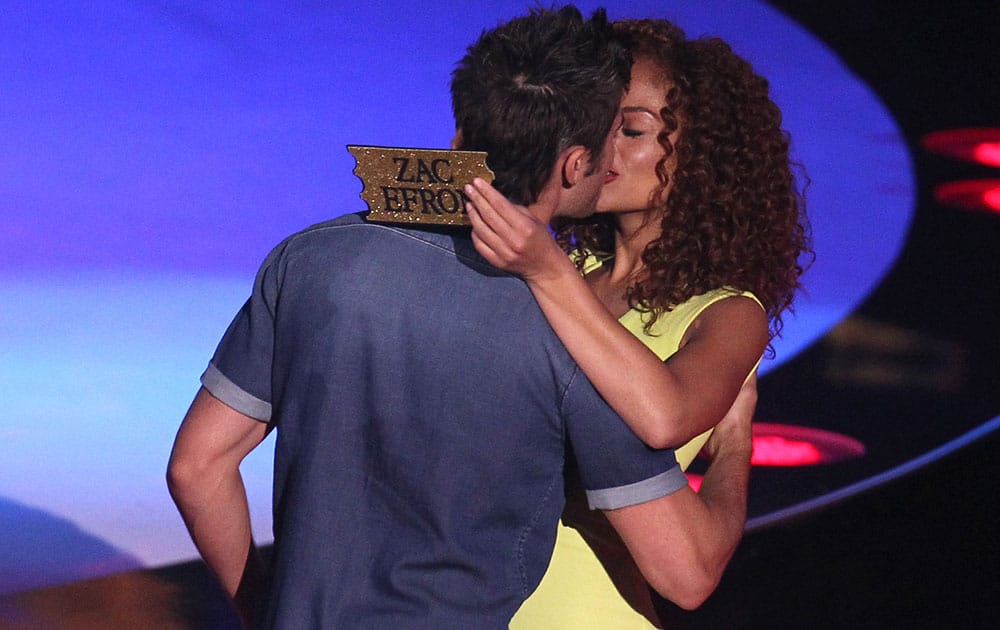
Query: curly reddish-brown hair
[[733, 215]]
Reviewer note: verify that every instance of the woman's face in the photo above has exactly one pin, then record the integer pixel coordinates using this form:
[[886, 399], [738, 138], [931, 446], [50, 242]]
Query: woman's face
[[632, 178]]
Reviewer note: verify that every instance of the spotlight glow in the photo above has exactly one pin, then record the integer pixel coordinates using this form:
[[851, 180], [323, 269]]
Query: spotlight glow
[[992, 198], [788, 445], [980, 145], [694, 480], [988, 153], [971, 194], [774, 450]]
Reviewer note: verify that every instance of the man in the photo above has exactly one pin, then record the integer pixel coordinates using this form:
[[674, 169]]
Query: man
[[423, 405]]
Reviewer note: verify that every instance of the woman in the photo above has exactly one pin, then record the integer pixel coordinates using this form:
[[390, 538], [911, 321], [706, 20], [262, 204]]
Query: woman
[[694, 254]]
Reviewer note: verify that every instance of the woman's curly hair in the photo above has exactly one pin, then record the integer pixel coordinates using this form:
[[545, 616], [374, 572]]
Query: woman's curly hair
[[733, 216]]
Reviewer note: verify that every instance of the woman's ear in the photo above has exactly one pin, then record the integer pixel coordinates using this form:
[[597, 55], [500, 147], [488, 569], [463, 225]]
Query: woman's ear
[[575, 165]]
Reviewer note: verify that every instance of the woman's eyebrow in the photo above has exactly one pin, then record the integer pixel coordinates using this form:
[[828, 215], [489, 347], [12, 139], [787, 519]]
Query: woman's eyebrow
[[636, 109]]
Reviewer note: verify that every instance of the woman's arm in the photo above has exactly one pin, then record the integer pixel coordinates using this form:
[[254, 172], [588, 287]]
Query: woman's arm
[[665, 403]]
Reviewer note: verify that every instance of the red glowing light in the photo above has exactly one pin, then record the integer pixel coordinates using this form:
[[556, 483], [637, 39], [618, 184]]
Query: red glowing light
[[694, 480], [992, 198], [971, 194], [988, 153], [980, 145], [788, 445], [772, 450]]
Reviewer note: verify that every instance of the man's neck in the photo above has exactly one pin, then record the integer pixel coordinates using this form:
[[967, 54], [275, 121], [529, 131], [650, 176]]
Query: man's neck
[[546, 205]]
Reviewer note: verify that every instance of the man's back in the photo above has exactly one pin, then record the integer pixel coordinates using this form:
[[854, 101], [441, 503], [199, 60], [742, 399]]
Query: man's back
[[419, 398], [422, 405]]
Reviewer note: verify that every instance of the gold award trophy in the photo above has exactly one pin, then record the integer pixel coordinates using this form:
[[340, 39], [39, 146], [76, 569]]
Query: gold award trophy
[[417, 185]]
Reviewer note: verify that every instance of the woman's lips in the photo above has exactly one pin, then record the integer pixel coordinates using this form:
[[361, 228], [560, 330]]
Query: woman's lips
[[610, 176]]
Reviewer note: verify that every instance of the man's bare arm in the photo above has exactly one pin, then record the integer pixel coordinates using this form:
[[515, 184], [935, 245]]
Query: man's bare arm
[[682, 542], [205, 483]]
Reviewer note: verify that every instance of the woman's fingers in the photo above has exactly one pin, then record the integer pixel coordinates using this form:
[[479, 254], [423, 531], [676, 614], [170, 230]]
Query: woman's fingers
[[497, 200], [493, 247], [487, 210], [498, 210], [485, 250], [493, 226], [506, 234]]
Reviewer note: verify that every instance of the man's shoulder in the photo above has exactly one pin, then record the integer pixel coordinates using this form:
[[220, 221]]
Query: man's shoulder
[[349, 234], [356, 225], [349, 221]]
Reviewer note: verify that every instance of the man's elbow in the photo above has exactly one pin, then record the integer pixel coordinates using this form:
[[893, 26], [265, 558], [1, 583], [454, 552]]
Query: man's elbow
[[690, 591], [184, 476], [177, 478], [695, 594], [687, 578]]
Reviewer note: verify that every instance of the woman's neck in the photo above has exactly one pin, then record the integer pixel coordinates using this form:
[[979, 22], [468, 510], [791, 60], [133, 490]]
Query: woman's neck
[[633, 232]]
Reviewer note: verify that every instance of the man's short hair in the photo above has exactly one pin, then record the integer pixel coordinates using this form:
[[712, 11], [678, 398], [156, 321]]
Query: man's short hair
[[532, 87]]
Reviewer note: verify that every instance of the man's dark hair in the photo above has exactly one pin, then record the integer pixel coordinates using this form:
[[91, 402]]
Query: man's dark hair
[[537, 85]]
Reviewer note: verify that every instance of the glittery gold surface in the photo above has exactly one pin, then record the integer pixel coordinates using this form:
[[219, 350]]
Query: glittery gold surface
[[417, 185]]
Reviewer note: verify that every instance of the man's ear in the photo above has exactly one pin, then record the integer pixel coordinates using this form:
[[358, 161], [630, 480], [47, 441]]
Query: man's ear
[[456, 141], [575, 165]]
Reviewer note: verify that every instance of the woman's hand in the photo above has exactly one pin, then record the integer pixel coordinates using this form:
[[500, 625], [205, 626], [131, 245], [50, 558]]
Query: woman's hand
[[508, 236]]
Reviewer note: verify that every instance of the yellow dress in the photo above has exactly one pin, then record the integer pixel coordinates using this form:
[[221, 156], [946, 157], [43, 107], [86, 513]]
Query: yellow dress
[[576, 591]]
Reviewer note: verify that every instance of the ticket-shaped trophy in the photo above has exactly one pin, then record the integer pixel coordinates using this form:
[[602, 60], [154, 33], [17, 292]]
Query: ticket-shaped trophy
[[417, 185]]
